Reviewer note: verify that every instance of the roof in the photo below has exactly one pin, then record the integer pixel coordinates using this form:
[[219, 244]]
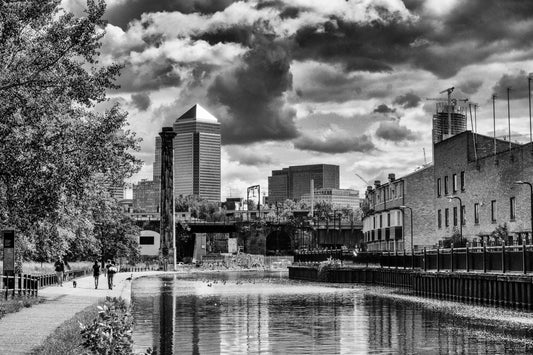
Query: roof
[[198, 114]]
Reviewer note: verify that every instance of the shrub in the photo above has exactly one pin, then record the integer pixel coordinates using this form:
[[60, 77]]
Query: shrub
[[111, 332]]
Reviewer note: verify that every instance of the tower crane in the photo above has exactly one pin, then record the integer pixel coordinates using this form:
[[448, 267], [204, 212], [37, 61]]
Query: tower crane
[[363, 180]]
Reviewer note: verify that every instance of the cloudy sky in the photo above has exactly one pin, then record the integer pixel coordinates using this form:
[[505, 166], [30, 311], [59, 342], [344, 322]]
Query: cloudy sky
[[311, 81]]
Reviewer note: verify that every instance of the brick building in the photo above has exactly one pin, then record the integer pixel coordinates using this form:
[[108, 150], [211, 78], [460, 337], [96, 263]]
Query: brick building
[[295, 181], [469, 189]]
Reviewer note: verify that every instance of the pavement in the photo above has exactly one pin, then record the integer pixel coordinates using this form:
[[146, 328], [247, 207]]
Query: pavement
[[22, 331]]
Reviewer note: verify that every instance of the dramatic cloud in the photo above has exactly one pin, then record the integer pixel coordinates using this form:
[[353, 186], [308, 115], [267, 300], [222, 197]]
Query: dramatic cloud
[[141, 101], [470, 87], [518, 84], [248, 157], [392, 131], [335, 143], [384, 109], [253, 95], [408, 100]]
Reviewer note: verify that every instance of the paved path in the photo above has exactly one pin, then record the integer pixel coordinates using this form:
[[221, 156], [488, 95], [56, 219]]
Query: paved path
[[22, 331]]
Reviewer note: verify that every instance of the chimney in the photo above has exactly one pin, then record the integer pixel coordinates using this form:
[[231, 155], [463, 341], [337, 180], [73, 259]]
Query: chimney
[[369, 188], [377, 183], [392, 177]]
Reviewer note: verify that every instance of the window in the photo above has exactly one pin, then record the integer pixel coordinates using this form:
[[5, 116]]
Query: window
[[388, 219], [512, 204], [439, 219], [446, 217], [380, 221], [462, 180], [146, 240], [493, 211], [374, 221], [438, 187], [455, 216], [463, 214], [446, 186], [454, 183], [476, 213]]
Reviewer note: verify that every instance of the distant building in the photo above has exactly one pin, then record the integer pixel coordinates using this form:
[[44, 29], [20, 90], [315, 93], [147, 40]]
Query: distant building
[[197, 154], [295, 181], [116, 192], [146, 196], [338, 198], [157, 161], [448, 121]]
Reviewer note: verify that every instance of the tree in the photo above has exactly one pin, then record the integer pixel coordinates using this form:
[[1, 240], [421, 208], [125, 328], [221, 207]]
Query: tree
[[57, 154]]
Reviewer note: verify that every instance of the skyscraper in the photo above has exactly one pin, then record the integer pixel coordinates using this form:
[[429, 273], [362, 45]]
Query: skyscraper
[[197, 154]]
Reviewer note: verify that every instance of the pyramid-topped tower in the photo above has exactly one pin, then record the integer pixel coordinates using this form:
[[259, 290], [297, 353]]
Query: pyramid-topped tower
[[197, 154]]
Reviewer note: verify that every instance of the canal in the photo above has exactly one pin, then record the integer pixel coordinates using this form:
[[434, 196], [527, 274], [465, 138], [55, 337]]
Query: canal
[[266, 313]]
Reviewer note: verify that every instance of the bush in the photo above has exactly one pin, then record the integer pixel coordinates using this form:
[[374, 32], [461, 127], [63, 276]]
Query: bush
[[110, 333]]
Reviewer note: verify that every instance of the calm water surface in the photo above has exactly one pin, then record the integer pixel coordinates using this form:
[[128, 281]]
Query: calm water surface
[[265, 313]]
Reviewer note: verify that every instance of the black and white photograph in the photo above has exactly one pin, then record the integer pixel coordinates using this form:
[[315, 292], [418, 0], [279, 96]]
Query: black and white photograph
[[266, 177]]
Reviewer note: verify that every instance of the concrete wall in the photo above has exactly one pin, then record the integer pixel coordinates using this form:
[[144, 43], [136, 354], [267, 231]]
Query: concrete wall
[[150, 249]]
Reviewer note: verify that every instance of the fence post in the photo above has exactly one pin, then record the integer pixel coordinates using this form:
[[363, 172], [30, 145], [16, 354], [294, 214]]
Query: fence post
[[467, 262], [412, 258], [20, 284], [503, 257], [451, 259], [14, 285], [438, 259], [524, 265], [484, 258], [425, 260], [403, 259]]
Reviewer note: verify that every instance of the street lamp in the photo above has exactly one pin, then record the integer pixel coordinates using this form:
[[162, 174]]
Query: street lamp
[[519, 182], [411, 212], [450, 198]]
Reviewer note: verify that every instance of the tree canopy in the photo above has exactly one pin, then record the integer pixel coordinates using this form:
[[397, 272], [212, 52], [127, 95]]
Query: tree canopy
[[58, 156]]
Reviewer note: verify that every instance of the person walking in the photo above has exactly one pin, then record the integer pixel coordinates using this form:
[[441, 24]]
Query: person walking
[[111, 270], [60, 269], [96, 273]]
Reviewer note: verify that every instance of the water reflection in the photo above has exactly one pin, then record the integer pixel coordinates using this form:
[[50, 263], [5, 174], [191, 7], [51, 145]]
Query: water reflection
[[257, 314]]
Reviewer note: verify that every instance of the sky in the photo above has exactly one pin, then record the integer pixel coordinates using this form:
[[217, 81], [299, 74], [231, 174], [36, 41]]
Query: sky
[[297, 82]]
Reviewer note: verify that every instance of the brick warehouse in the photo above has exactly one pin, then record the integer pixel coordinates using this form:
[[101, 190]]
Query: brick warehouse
[[465, 166]]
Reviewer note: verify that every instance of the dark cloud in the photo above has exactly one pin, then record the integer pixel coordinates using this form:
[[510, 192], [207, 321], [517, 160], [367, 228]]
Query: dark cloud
[[518, 84], [151, 75], [247, 157], [392, 131], [253, 95], [384, 109], [122, 13], [335, 144], [408, 100], [141, 101], [236, 34], [470, 87]]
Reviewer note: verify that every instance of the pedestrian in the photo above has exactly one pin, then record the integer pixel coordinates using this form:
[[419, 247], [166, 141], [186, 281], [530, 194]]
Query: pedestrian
[[111, 270], [60, 269], [96, 273]]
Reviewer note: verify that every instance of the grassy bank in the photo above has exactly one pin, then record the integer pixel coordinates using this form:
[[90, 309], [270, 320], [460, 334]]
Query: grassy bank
[[67, 339], [15, 305]]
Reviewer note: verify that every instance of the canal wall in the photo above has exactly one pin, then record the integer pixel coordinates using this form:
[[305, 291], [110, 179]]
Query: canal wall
[[506, 290]]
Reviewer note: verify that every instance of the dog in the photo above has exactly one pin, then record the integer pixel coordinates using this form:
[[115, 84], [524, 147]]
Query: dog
[[74, 284]]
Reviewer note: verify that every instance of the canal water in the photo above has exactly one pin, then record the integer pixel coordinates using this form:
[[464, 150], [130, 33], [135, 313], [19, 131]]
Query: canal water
[[266, 313]]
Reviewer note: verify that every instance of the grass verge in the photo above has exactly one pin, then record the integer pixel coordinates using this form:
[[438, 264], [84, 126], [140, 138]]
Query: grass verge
[[67, 339], [16, 304]]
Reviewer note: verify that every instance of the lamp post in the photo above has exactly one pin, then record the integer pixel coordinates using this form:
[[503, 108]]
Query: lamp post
[[519, 182], [451, 197], [411, 212]]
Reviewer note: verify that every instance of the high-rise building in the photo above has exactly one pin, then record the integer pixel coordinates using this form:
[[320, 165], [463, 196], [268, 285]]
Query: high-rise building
[[295, 181], [157, 161], [448, 121], [197, 154]]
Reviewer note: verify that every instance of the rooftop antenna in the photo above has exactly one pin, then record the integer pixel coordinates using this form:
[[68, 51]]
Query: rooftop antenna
[[425, 160], [509, 116], [449, 92], [494, 120], [474, 134]]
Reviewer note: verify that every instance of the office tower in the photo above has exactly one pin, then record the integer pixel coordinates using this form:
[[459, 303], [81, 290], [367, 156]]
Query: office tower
[[295, 181], [157, 161], [197, 154]]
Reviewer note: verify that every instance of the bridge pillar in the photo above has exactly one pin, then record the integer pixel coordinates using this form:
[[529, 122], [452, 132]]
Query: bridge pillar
[[167, 191]]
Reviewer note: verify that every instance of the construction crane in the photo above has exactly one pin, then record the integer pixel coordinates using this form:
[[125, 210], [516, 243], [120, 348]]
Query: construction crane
[[363, 180]]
